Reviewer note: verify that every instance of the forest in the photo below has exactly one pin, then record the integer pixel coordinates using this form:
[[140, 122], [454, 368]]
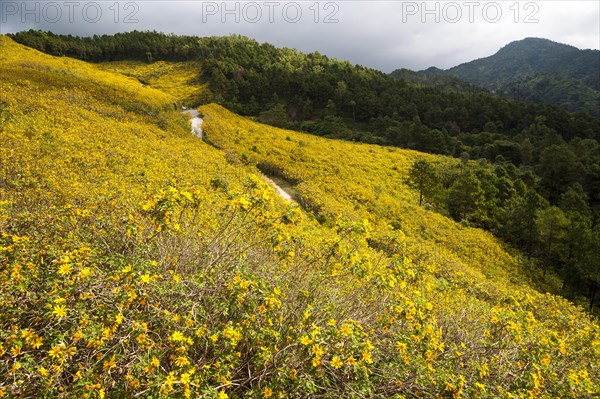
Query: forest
[[536, 182], [537, 70]]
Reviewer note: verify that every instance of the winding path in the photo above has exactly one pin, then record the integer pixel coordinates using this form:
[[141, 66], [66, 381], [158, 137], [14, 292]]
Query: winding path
[[280, 191], [196, 122]]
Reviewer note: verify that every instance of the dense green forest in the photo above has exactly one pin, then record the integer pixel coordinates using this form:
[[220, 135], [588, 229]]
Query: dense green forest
[[538, 70], [536, 183], [562, 234], [435, 78]]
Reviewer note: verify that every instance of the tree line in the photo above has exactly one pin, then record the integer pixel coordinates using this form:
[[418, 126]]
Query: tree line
[[562, 235]]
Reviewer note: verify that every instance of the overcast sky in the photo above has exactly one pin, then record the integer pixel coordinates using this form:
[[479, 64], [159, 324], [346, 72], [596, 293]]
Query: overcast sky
[[381, 34]]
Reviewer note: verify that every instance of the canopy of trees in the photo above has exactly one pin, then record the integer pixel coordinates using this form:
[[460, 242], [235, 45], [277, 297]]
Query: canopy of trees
[[506, 200]]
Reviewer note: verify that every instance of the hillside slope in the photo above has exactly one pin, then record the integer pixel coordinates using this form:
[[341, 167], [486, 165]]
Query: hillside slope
[[137, 260], [533, 70], [539, 70], [179, 79]]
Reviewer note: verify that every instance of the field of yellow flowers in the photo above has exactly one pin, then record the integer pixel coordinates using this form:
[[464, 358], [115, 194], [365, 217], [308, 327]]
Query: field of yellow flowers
[[179, 79], [139, 261]]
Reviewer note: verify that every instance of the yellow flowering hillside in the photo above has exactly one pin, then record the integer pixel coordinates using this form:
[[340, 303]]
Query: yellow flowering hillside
[[180, 79], [139, 261]]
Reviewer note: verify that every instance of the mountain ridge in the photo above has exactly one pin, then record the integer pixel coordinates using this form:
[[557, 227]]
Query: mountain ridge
[[532, 55], [539, 70]]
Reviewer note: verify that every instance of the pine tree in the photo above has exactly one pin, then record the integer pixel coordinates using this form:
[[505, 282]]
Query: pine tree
[[424, 178]]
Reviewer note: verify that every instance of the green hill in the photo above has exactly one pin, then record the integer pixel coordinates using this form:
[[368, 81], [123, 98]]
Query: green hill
[[539, 70]]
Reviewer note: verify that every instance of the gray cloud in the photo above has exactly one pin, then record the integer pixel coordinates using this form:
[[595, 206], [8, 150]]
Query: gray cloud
[[380, 34]]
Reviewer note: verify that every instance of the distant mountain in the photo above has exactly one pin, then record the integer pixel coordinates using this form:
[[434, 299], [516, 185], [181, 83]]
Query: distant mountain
[[536, 70], [539, 70]]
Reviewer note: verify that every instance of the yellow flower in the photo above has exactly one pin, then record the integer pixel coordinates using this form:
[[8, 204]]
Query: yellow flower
[[56, 350], [85, 272], [336, 362], [304, 340], [545, 361], [400, 346], [484, 370], [222, 395], [177, 336], [351, 360], [170, 379], [59, 310], [27, 334], [232, 334], [267, 392], [145, 278], [318, 350], [185, 378], [64, 269], [346, 329], [15, 350], [182, 361], [109, 364], [43, 372]]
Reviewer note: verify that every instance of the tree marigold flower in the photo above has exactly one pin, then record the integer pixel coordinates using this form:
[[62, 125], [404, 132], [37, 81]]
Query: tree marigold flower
[[56, 350], [185, 378], [336, 362], [545, 361], [59, 311], [346, 329], [400, 346], [182, 361], [177, 336], [64, 269]]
